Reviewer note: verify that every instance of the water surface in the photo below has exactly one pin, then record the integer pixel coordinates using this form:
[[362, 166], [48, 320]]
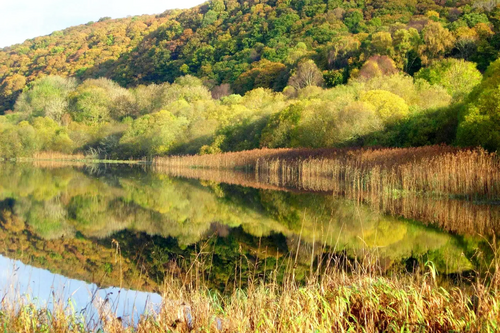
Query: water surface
[[97, 230]]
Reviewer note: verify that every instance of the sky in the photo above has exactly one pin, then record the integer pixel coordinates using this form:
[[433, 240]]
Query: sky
[[19, 279], [25, 19]]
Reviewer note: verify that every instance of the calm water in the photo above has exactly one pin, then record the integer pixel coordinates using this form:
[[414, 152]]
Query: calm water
[[97, 233]]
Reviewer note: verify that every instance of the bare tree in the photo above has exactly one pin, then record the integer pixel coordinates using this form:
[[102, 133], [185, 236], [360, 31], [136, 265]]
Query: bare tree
[[486, 5], [308, 74], [221, 91]]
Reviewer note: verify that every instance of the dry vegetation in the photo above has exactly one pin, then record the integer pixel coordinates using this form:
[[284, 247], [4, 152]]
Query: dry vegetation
[[56, 159], [440, 170], [395, 181], [335, 299], [361, 300]]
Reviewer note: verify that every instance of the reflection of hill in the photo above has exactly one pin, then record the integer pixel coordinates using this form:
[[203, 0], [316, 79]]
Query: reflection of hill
[[78, 210], [76, 258], [459, 216]]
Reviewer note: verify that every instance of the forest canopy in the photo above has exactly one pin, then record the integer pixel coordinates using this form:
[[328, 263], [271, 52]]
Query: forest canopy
[[234, 75]]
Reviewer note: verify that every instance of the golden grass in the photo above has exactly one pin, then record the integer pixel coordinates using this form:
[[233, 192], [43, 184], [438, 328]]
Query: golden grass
[[362, 301], [440, 170], [400, 182], [56, 159], [44, 155]]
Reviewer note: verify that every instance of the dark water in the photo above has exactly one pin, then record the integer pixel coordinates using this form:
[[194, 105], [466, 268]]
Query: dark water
[[105, 231]]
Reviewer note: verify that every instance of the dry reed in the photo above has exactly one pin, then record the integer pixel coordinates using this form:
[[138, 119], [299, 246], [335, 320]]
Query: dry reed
[[439, 170], [339, 302], [396, 181]]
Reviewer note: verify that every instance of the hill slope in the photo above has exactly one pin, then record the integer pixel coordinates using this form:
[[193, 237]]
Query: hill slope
[[253, 44]]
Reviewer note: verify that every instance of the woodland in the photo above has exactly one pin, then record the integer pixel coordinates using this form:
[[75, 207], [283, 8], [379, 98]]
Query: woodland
[[237, 75]]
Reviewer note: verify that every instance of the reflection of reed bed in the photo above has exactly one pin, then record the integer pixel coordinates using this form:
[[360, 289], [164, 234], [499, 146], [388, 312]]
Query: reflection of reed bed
[[232, 177], [440, 170], [458, 216]]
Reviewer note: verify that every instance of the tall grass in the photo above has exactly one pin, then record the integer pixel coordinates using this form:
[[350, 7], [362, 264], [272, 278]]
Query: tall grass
[[440, 170], [359, 300], [398, 181], [51, 155], [56, 159]]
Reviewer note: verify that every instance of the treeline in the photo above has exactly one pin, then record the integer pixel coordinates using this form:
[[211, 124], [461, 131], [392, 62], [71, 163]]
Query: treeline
[[448, 101], [258, 43]]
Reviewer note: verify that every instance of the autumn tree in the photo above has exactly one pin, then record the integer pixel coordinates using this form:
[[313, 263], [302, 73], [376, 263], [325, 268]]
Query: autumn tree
[[437, 41], [263, 74], [377, 66], [307, 74], [221, 91]]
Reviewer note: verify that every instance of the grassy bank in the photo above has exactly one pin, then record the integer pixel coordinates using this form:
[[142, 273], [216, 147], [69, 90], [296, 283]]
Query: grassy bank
[[341, 302]]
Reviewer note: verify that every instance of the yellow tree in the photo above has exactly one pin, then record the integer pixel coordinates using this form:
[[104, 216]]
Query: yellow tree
[[437, 41], [388, 106]]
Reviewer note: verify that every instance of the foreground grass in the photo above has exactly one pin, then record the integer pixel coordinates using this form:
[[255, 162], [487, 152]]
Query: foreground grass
[[340, 302]]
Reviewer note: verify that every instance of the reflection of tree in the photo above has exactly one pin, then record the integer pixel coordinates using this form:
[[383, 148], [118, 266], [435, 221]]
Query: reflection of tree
[[48, 218], [175, 216], [74, 257]]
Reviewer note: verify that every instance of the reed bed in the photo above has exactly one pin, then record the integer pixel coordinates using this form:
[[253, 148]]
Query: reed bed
[[472, 174], [439, 170], [56, 159], [340, 302], [415, 183], [57, 156]]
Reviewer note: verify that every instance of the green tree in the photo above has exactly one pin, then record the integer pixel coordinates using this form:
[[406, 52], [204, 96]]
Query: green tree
[[381, 44], [480, 121], [406, 43], [97, 101], [47, 97], [353, 19], [459, 77], [153, 134]]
